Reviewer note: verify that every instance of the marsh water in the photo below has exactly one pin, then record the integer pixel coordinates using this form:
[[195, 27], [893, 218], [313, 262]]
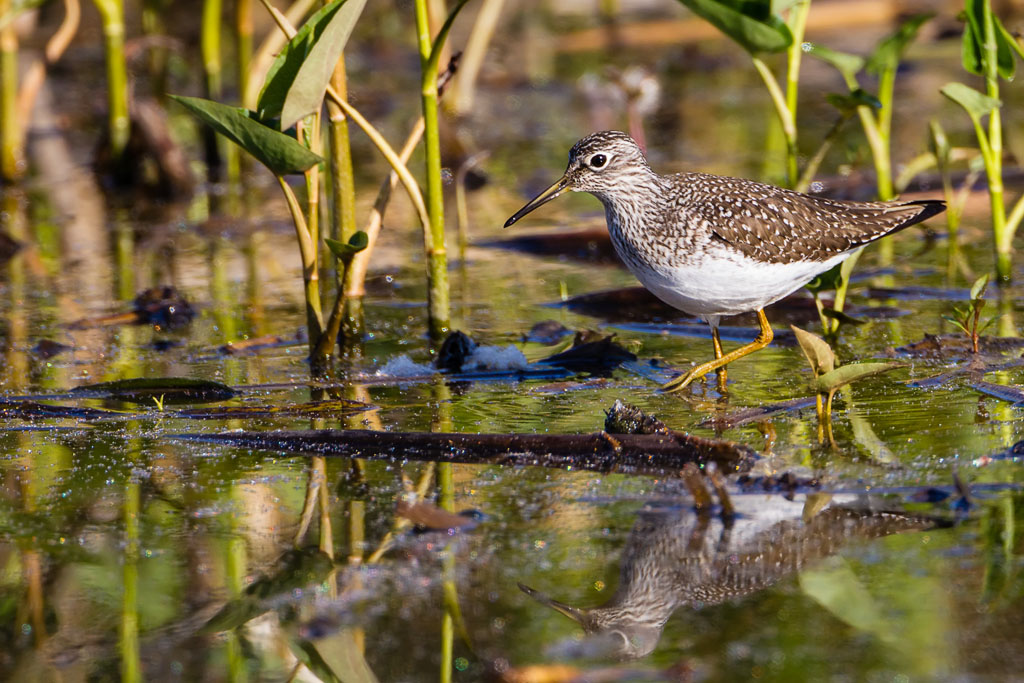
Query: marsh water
[[883, 548]]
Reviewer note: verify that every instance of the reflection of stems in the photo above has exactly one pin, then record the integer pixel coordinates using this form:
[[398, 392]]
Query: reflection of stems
[[401, 523], [112, 13], [130, 670]]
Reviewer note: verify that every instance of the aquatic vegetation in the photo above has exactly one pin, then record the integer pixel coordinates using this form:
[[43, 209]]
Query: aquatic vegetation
[[990, 51], [830, 378], [759, 29], [968, 318]]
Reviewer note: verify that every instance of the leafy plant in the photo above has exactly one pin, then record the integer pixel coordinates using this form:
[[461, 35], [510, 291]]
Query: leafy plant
[[968, 318], [759, 28], [289, 104], [874, 110], [988, 50], [828, 379], [875, 114], [944, 155], [17, 99]]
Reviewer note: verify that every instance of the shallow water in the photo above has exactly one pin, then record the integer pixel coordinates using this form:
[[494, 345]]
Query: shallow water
[[119, 542]]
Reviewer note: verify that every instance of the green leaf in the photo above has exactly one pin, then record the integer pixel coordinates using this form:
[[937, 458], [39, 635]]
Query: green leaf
[[979, 287], [844, 318], [750, 23], [278, 152], [847, 374], [939, 140], [858, 98], [826, 281], [956, 322], [887, 55], [345, 251], [975, 103], [849, 65], [176, 389], [973, 53], [1010, 39], [442, 35], [306, 90], [285, 68], [816, 350]]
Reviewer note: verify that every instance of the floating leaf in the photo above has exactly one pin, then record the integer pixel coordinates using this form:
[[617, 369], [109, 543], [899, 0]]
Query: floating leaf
[[345, 251], [887, 55], [847, 374], [976, 104], [280, 153], [751, 24], [304, 68], [816, 350], [143, 389]]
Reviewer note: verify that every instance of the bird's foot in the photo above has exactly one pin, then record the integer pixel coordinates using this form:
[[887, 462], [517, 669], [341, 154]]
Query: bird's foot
[[682, 381]]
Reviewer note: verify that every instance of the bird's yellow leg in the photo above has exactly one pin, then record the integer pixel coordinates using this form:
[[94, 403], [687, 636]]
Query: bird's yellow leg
[[717, 342], [764, 338]]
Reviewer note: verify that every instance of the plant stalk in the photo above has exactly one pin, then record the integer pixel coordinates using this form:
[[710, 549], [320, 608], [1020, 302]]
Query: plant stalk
[[118, 122], [11, 163], [434, 247], [310, 276]]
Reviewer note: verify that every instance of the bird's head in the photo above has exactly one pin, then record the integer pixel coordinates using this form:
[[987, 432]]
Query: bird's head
[[599, 163], [611, 633]]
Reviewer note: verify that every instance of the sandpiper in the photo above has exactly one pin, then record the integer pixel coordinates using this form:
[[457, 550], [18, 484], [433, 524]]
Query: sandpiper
[[713, 246]]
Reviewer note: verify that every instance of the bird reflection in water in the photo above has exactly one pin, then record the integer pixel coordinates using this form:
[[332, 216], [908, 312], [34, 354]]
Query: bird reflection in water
[[677, 557]]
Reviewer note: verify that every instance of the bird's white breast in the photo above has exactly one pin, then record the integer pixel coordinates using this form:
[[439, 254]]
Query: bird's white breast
[[724, 283]]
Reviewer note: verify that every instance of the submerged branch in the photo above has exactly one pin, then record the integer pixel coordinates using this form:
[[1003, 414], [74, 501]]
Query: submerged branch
[[656, 454]]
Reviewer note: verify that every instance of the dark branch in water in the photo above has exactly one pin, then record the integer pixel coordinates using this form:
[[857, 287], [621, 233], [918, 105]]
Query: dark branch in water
[[656, 454]]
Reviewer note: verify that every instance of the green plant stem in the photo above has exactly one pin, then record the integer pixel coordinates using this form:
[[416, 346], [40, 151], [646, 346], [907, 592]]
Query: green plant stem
[[786, 118], [310, 277], [343, 191], [797, 22], [10, 127], [434, 246], [994, 158], [243, 43], [119, 125]]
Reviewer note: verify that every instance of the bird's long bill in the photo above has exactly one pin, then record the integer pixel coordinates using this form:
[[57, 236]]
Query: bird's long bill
[[573, 613], [557, 188]]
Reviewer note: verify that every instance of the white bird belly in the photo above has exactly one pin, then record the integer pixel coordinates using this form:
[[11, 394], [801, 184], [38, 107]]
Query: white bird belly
[[723, 283]]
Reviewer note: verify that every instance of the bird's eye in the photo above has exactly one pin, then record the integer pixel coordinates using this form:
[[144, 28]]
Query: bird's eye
[[598, 161]]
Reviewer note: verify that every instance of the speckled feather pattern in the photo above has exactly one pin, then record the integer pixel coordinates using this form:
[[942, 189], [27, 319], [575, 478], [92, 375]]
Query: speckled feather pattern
[[712, 245], [681, 215]]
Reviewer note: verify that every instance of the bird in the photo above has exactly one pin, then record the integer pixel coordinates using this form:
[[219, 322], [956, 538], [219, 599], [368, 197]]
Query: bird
[[714, 246], [679, 558]]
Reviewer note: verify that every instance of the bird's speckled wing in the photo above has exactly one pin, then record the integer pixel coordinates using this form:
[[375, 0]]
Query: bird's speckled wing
[[772, 224]]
